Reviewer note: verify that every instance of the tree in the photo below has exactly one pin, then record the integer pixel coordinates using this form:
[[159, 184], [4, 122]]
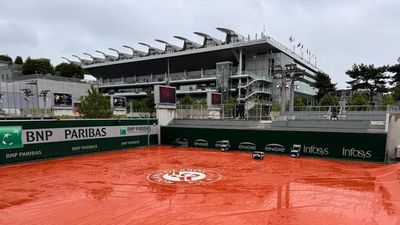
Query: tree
[[35, 66], [187, 100], [396, 93], [95, 105], [18, 60], [145, 104], [299, 102], [395, 79], [6, 58], [388, 100], [69, 70], [276, 107], [358, 99], [202, 101], [368, 77], [329, 99], [324, 85], [230, 101]]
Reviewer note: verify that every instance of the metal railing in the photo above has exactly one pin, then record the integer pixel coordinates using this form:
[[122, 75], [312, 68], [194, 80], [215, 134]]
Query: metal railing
[[25, 113], [141, 114], [250, 111], [226, 111], [362, 112], [178, 76], [46, 77], [256, 111]]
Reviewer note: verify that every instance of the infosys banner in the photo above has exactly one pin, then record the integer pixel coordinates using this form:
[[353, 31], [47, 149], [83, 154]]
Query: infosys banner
[[45, 139], [338, 145]]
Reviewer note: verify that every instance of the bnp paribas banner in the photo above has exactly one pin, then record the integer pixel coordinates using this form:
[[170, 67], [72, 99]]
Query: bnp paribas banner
[[14, 137], [11, 137]]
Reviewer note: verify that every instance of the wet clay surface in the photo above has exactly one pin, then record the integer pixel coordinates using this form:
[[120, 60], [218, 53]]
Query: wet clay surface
[[113, 188]]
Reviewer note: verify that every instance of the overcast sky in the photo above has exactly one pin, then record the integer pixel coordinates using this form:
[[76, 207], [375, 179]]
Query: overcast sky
[[339, 32]]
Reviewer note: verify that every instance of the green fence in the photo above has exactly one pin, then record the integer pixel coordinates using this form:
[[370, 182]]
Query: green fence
[[337, 145], [32, 140]]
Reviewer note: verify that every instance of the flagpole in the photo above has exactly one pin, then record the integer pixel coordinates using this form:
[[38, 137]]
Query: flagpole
[[294, 45]]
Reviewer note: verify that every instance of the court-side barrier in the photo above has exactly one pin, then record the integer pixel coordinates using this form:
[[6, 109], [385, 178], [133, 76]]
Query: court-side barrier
[[337, 145], [31, 140]]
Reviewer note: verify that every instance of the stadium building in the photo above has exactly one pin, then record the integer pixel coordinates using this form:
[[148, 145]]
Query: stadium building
[[237, 66]]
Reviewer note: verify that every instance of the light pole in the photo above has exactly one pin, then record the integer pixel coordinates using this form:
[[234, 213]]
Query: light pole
[[28, 93], [288, 73], [279, 73], [1, 101], [44, 95]]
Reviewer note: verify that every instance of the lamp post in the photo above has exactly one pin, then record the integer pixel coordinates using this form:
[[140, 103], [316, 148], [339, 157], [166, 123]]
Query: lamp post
[[293, 77], [279, 73], [1, 101], [288, 73], [28, 93], [43, 94]]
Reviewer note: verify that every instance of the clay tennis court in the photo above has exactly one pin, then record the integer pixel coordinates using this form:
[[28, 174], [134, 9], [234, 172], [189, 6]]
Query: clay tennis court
[[124, 187]]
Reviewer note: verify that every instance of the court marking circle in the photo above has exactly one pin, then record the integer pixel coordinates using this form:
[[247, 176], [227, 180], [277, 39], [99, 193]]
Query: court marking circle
[[184, 176]]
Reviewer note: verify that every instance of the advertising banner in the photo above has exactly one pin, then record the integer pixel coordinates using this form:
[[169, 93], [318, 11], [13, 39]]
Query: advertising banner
[[46, 139], [164, 95], [11, 137], [214, 100], [62, 100], [118, 102], [36, 136], [337, 145]]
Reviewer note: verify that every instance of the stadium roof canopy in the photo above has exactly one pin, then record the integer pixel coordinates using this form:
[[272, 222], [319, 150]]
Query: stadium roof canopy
[[208, 40], [188, 44], [231, 36], [152, 50], [191, 57], [169, 47]]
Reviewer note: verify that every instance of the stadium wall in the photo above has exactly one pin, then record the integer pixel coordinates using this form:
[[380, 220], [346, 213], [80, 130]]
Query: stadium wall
[[336, 145], [32, 140]]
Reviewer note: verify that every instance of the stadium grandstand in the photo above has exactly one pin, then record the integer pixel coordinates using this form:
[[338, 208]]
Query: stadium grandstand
[[241, 67]]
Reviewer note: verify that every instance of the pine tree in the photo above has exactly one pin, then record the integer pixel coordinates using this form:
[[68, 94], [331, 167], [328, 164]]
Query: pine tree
[[324, 85], [368, 77], [18, 60]]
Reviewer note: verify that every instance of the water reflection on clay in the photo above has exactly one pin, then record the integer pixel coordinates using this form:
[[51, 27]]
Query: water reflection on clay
[[112, 188]]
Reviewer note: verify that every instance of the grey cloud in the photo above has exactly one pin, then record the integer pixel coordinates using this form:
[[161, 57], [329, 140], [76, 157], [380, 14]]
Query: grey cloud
[[340, 32]]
